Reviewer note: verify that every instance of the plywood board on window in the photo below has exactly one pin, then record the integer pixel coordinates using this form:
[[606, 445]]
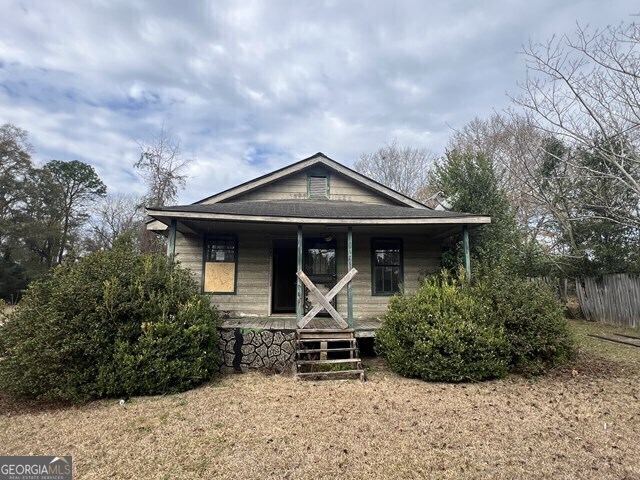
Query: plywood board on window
[[219, 277]]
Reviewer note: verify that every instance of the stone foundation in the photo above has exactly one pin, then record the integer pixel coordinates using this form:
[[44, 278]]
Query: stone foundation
[[244, 349]]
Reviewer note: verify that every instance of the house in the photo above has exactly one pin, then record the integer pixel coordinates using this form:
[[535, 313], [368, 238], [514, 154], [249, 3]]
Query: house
[[246, 245]]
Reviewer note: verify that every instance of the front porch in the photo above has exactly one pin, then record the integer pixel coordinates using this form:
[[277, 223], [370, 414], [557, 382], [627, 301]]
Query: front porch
[[363, 328], [321, 349]]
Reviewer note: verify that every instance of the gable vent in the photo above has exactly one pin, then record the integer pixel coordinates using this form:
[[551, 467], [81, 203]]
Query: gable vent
[[317, 187]]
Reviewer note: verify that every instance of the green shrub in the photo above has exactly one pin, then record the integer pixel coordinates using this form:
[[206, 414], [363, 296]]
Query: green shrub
[[533, 321], [442, 333], [111, 324], [452, 331]]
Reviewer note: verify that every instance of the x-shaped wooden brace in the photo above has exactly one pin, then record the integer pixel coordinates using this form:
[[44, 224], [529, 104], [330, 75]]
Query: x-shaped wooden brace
[[324, 301]]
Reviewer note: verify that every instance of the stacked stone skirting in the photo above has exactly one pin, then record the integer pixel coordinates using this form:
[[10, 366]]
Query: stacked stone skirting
[[244, 349]]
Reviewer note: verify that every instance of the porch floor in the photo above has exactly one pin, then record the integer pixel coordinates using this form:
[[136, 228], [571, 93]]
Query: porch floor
[[364, 327]]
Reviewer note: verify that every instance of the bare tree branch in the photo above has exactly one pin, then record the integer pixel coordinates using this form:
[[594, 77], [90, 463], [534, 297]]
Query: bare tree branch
[[403, 169], [113, 216], [162, 166], [585, 88]]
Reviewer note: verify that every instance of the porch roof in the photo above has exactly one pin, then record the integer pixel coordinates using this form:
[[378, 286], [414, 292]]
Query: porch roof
[[314, 211]]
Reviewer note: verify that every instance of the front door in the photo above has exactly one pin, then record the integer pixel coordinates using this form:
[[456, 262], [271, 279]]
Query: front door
[[320, 267], [283, 294]]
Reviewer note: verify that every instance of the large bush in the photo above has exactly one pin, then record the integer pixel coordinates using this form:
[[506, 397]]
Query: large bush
[[533, 321], [453, 331], [442, 333], [111, 324]]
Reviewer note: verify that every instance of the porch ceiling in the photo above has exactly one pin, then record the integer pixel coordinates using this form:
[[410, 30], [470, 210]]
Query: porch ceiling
[[199, 227]]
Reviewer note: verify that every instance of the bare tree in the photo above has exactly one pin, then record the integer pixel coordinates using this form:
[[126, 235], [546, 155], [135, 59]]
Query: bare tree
[[162, 166], [514, 148], [115, 215], [404, 169], [567, 212], [499, 138], [585, 90], [533, 170]]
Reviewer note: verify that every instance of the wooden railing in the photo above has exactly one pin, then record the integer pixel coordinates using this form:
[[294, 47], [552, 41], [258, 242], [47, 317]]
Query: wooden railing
[[324, 301]]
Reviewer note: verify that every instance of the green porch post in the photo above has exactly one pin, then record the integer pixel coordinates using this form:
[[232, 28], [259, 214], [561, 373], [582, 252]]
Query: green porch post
[[350, 284], [299, 300], [171, 247], [467, 253]]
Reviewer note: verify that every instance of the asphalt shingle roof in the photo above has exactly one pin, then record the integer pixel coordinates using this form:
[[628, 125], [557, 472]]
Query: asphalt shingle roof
[[313, 209]]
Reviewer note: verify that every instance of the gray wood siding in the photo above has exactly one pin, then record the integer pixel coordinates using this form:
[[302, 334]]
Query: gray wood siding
[[420, 256], [252, 289], [343, 189], [294, 187], [189, 253]]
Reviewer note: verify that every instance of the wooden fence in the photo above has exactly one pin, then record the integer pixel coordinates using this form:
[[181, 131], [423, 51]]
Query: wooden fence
[[612, 299]]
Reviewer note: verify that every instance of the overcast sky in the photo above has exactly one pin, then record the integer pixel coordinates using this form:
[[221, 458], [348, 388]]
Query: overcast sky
[[250, 86]]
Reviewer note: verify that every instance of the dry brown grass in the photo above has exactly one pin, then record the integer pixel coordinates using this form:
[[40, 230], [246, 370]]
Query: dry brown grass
[[583, 421]]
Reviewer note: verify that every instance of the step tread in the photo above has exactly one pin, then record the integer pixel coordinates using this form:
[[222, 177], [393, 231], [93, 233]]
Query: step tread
[[325, 330], [324, 362], [320, 350], [327, 339], [313, 336], [333, 372]]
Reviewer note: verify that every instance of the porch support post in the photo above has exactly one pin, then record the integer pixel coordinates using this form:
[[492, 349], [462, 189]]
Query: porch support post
[[299, 299], [350, 284], [171, 247], [467, 253]]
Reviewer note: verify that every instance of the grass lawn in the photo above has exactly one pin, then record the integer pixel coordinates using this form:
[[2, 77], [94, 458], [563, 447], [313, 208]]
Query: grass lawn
[[582, 421]]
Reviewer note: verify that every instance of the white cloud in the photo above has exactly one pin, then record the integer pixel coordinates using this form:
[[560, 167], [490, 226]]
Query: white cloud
[[249, 86]]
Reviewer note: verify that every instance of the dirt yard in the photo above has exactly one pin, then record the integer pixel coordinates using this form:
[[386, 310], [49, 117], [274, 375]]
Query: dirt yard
[[580, 422]]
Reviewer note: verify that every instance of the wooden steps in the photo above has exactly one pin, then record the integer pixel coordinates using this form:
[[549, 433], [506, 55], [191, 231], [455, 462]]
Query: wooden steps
[[321, 354]]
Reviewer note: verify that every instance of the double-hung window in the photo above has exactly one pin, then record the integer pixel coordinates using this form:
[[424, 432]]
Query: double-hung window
[[386, 263]]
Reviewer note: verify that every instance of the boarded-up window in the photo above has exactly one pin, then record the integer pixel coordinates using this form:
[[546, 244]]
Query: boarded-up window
[[318, 186], [220, 258]]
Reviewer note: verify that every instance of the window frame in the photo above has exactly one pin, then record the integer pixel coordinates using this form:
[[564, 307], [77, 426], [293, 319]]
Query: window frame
[[374, 240], [206, 238]]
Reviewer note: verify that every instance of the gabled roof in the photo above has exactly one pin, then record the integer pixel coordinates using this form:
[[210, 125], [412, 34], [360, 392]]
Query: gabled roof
[[314, 160], [315, 212]]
